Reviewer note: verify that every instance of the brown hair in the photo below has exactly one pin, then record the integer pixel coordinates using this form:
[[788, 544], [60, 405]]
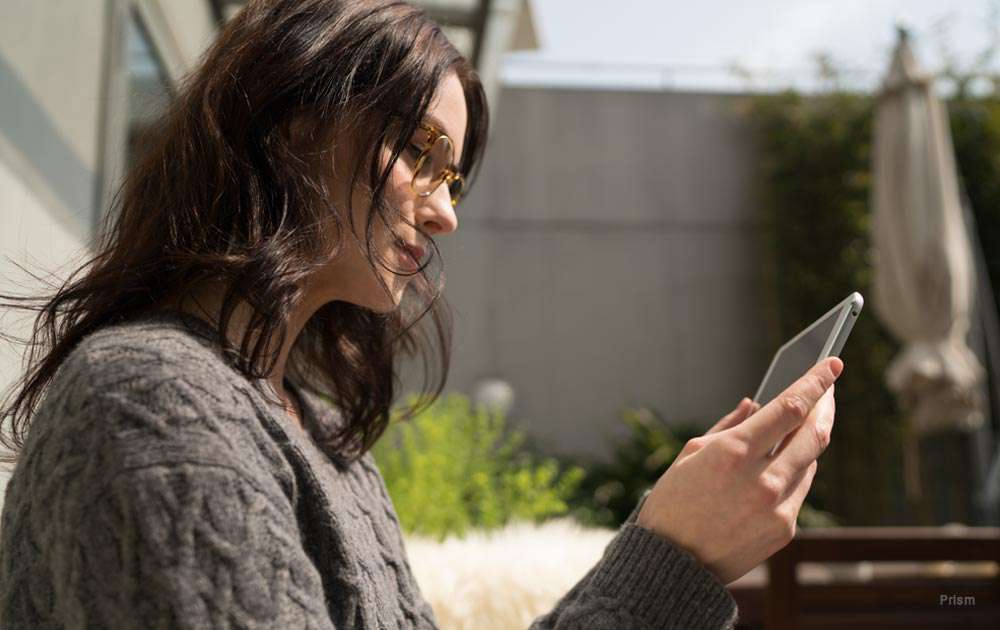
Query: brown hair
[[224, 193]]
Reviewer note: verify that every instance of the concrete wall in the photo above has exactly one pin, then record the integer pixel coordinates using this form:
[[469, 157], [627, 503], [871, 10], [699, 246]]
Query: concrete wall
[[50, 107], [608, 256], [54, 131]]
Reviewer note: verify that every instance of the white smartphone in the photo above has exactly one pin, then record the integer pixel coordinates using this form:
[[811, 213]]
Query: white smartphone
[[823, 338]]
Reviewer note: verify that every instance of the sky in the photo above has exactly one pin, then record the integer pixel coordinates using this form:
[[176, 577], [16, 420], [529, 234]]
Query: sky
[[664, 44]]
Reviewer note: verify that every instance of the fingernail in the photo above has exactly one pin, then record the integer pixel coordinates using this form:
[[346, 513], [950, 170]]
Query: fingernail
[[836, 366]]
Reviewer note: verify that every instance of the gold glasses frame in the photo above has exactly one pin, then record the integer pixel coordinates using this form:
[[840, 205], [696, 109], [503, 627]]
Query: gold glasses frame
[[448, 175]]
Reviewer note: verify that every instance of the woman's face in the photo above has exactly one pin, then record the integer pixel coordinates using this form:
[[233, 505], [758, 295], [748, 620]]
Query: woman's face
[[350, 276]]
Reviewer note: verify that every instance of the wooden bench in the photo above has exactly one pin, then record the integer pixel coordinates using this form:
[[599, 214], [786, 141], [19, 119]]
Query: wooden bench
[[891, 589]]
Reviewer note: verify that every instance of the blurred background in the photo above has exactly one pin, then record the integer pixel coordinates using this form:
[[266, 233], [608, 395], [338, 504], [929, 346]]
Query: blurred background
[[671, 191]]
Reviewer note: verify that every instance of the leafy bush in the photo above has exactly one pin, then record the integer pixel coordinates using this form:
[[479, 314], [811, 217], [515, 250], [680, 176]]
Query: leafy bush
[[816, 181], [455, 467], [610, 491], [975, 129]]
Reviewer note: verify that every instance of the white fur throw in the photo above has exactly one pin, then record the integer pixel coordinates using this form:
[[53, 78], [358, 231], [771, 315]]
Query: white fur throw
[[506, 578]]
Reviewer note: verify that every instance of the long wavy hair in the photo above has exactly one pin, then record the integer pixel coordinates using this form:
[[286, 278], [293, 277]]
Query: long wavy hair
[[227, 191]]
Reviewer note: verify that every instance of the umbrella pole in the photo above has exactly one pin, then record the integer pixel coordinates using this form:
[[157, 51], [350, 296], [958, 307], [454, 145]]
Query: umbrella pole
[[911, 466], [913, 483]]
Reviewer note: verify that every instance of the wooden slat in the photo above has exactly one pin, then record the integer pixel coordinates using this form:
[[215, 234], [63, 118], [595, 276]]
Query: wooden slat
[[963, 620], [897, 602], [781, 599], [750, 600], [900, 595], [842, 544]]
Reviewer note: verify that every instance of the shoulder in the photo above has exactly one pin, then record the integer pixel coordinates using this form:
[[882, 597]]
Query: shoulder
[[148, 392], [146, 351]]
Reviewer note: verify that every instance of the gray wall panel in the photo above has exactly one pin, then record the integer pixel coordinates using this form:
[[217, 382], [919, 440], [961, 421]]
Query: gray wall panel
[[610, 250]]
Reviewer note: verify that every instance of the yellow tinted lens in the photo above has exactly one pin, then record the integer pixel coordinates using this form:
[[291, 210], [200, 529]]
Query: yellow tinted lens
[[430, 169], [455, 188]]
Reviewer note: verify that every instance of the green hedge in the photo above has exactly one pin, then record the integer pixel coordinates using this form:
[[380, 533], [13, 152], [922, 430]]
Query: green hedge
[[815, 183], [975, 128]]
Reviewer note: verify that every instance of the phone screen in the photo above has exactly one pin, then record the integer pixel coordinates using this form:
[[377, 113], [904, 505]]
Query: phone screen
[[797, 358]]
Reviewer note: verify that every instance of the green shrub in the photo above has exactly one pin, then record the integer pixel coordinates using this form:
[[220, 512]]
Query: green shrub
[[610, 491], [456, 467]]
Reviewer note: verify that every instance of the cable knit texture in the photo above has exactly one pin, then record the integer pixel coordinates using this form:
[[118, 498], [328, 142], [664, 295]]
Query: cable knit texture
[[159, 489]]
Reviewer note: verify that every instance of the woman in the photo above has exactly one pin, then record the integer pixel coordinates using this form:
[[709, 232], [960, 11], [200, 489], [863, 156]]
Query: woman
[[272, 245]]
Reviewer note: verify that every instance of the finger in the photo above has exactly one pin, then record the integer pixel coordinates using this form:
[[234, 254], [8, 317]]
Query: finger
[[734, 417], [805, 444], [790, 408]]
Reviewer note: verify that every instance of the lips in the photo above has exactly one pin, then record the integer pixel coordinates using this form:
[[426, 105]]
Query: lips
[[412, 254]]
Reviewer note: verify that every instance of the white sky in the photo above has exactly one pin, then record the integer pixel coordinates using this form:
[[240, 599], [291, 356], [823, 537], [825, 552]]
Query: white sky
[[667, 44]]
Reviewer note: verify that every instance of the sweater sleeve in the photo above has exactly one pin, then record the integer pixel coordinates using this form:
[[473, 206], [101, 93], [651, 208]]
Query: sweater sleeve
[[187, 546], [643, 581]]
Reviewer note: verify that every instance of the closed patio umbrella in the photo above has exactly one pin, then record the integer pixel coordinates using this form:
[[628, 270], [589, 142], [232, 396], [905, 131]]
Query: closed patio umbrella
[[924, 273]]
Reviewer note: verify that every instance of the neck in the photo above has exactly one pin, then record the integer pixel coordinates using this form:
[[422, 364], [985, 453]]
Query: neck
[[206, 303]]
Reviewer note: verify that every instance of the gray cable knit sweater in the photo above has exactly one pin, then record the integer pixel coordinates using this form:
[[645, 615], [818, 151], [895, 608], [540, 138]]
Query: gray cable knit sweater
[[158, 489]]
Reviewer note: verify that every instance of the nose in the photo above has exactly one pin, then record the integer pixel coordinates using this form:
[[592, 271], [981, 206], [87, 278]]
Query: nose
[[436, 214]]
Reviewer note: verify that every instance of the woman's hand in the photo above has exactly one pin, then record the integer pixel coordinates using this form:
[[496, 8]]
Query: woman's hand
[[728, 503]]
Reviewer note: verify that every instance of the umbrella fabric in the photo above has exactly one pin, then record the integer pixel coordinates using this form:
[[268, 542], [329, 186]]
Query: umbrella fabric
[[924, 274]]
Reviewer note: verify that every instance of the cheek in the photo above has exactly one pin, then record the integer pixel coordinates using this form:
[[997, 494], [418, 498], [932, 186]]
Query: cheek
[[400, 178], [398, 191], [398, 196], [401, 172]]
